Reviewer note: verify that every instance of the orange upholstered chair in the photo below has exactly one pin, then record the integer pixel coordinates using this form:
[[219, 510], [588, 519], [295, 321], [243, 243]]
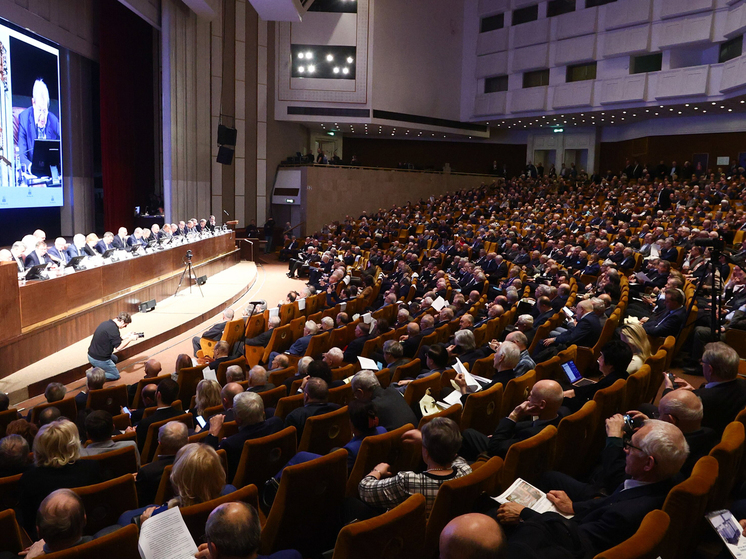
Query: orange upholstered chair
[[262, 458], [646, 542], [637, 388], [341, 395], [287, 404], [728, 453], [115, 463], [12, 540], [396, 534], [452, 412], [418, 388], [516, 391], [10, 491], [530, 458], [111, 399], [408, 370], [574, 437], [482, 410], [105, 502], [271, 397], [121, 544], [326, 431]]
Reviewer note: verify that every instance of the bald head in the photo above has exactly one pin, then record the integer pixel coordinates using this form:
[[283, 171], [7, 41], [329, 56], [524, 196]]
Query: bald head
[[61, 519], [473, 536], [546, 398], [152, 368], [233, 530], [228, 392], [683, 408]]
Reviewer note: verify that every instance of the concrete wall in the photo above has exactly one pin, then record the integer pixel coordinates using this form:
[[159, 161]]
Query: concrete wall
[[332, 193]]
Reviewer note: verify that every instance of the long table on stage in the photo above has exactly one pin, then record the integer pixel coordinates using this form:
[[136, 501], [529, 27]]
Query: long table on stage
[[45, 316]]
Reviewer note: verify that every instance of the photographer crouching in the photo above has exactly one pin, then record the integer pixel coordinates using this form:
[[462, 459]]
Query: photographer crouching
[[107, 341]]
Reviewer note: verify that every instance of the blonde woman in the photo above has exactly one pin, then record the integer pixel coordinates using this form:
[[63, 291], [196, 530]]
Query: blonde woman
[[636, 338], [197, 477], [208, 396], [57, 465]]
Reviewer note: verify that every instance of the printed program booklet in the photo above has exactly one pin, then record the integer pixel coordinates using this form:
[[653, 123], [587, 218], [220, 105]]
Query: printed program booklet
[[523, 493]]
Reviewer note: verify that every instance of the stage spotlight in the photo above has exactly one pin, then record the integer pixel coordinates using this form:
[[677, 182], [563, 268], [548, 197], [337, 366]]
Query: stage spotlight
[[329, 57], [311, 69]]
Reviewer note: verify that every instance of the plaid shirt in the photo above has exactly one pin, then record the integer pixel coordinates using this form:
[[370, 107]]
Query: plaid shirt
[[389, 492]]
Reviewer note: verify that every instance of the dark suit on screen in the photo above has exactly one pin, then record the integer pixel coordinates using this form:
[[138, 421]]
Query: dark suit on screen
[[28, 133]]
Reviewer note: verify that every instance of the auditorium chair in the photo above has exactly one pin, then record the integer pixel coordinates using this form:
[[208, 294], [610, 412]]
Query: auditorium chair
[[272, 396], [115, 463], [574, 436], [295, 386], [458, 496], [188, 379], [111, 399], [370, 346], [233, 331], [384, 377], [339, 337], [151, 440], [287, 404], [176, 404], [195, 516], [304, 511], [542, 332], [255, 325], [121, 544], [10, 491], [418, 388], [212, 410], [297, 325], [728, 453], [67, 408], [324, 432], [446, 377], [609, 401], [12, 538], [737, 340], [645, 543], [479, 335], [341, 373], [657, 364], [482, 409], [5, 418], [686, 505], [341, 395], [396, 534], [105, 502], [281, 375], [136, 403], [550, 369], [388, 448], [516, 391], [530, 458], [484, 367], [319, 344], [280, 341], [637, 388], [262, 458], [408, 370], [451, 412], [683, 336], [426, 341], [223, 368]]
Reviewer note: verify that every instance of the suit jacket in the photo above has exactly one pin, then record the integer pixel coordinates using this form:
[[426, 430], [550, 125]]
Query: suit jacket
[[509, 432], [260, 340], [585, 333], [55, 255], [300, 345], [21, 263], [665, 323], [149, 477], [355, 348], [233, 445], [297, 417], [27, 133], [33, 259], [669, 254], [101, 247], [393, 410], [119, 243], [721, 403], [215, 332], [262, 388], [159, 415], [410, 345]]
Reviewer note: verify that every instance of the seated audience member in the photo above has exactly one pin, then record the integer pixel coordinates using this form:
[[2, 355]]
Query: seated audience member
[[636, 338], [234, 373], [315, 402], [655, 455], [392, 410], [669, 321], [473, 536], [585, 332], [262, 340], [147, 400], [165, 395], [56, 466], [219, 354], [334, 358], [411, 340], [55, 392], [612, 363], [355, 347], [527, 419], [183, 361], [215, 332], [171, 437], [14, 455], [248, 411], [393, 355], [99, 427], [48, 415], [94, 380], [258, 380], [441, 439], [24, 428], [465, 348], [301, 374], [724, 394], [505, 360], [233, 531], [208, 396], [60, 521], [281, 361], [525, 363], [152, 369], [4, 401], [197, 476]]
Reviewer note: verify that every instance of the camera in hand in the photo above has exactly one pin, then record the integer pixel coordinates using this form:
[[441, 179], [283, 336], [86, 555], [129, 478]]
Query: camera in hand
[[631, 424], [139, 334]]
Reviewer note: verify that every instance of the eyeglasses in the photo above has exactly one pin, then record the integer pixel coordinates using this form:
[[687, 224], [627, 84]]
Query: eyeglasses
[[628, 444]]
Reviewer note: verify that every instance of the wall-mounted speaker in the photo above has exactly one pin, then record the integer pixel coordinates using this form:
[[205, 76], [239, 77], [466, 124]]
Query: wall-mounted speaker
[[225, 155], [226, 136]]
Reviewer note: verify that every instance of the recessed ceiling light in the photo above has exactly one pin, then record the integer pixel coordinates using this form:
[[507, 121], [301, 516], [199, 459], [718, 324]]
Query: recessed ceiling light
[[329, 57], [301, 69], [300, 55], [309, 55], [336, 70], [349, 60], [345, 70], [311, 68]]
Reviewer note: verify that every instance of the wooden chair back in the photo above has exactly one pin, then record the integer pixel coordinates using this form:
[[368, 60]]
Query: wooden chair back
[[452, 412], [728, 453], [287, 404], [281, 375], [188, 379], [646, 543], [530, 458], [408, 370], [136, 402], [120, 544], [319, 344], [516, 391], [637, 388], [419, 387], [657, 364], [484, 367], [574, 435], [281, 340], [223, 368], [341, 373], [12, 540], [67, 408], [341, 395]]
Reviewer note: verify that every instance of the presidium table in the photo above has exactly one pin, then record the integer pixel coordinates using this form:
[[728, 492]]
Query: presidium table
[[42, 317]]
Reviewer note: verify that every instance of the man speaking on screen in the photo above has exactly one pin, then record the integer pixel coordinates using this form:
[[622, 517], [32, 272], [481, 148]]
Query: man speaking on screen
[[36, 122]]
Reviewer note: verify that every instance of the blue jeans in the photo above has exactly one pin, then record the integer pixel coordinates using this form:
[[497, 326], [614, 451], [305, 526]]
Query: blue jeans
[[109, 366]]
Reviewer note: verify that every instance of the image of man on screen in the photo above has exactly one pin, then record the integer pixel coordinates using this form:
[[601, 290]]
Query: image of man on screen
[[36, 123]]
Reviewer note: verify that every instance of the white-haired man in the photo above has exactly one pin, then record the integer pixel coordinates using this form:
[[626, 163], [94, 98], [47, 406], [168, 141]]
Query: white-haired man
[[36, 123]]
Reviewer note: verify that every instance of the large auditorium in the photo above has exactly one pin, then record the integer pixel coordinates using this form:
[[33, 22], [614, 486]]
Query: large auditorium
[[261, 259]]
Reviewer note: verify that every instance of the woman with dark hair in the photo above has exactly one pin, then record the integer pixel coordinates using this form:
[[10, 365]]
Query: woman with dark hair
[[183, 361]]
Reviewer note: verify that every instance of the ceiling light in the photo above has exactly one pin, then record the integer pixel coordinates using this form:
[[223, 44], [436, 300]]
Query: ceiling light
[[300, 55], [730, 110], [311, 69], [714, 103], [301, 69], [336, 70], [349, 60], [679, 112], [345, 70], [686, 105], [309, 54], [704, 111], [329, 57]]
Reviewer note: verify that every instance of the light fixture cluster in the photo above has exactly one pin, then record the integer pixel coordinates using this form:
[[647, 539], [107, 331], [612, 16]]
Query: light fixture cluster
[[329, 62]]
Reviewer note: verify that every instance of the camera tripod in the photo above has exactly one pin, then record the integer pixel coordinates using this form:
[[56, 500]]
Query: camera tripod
[[188, 270]]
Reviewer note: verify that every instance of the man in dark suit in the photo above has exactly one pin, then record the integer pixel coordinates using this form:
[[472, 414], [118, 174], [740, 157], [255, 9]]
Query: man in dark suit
[[355, 347], [393, 410], [258, 380], [17, 251], [585, 333], [38, 255], [58, 253], [411, 340], [215, 332], [669, 321], [171, 437], [248, 410], [107, 243], [315, 402], [724, 393], [166, 394], [600, 524], [543, 403], [120, 240], [36, 123]]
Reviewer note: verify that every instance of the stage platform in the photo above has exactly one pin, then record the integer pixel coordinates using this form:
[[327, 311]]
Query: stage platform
[[172, 317]]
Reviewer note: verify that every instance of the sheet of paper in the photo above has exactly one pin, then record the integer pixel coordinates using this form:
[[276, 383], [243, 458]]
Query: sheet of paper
[[347, 280], [274, 312], [301, 304], [439, 303], [342, 306], [367, 317], [642, 277], [453, 398], [165, 536], [209, 374], [730, 532], [471, 383], [367, 364]]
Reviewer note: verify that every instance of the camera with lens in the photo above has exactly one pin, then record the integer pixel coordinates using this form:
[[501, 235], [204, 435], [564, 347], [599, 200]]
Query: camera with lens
[[189, 255], [631, 424], [139, 334]]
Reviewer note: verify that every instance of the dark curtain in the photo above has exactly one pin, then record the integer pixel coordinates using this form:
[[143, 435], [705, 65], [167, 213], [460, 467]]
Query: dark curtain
[[127, 113]]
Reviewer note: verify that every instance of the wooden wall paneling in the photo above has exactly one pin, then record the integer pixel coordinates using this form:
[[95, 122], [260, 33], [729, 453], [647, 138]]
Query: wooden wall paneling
[[10, 303]]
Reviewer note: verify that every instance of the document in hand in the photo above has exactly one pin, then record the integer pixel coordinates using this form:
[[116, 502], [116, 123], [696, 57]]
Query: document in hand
[[165, 536], [209, 374], [439, 303], [642, 277], [471, 383], [368, 364], [523, 493], [729, 530]]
